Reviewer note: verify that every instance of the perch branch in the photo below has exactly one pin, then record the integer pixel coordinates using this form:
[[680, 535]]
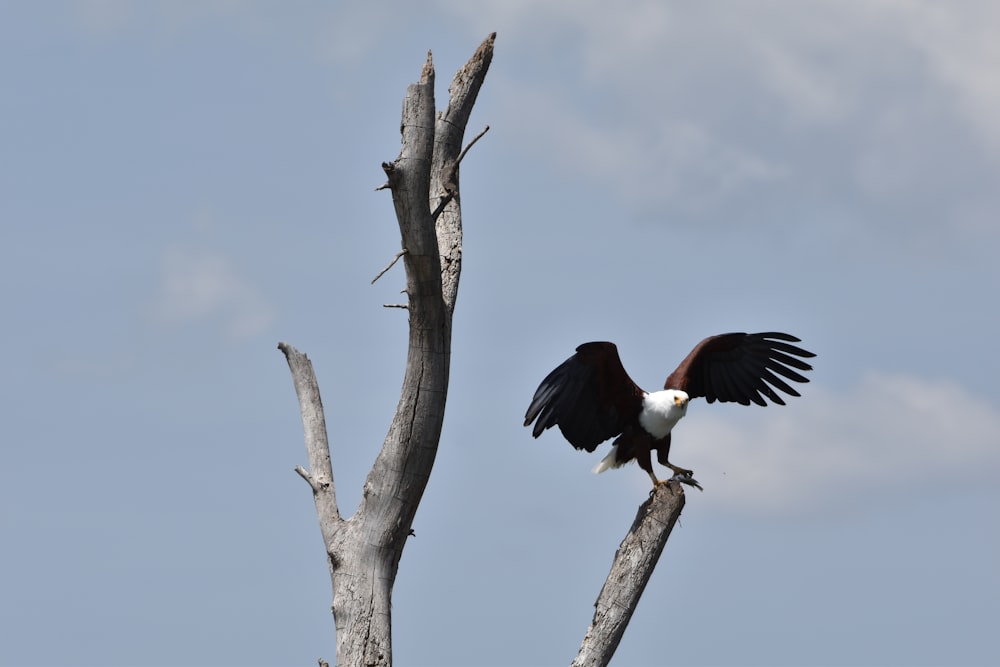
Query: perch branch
[[630, 571]]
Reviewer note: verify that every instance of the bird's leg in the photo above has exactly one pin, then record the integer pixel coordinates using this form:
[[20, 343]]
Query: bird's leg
[[663, 454], [682, 475], [645, 462]]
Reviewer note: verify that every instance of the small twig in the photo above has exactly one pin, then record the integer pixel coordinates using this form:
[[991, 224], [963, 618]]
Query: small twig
[[451, 187], [471, 144], [384, 186], [444, 202], [395, 305], [391, 264], [306, 476]]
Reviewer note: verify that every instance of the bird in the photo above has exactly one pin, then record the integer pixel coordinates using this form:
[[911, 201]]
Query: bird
[[591, 398]]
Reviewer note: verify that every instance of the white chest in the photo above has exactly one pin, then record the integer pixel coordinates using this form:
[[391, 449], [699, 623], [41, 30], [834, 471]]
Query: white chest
[[661, 410]]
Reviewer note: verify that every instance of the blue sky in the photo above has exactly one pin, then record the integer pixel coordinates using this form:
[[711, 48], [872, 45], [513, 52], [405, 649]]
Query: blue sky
[[187, 183]]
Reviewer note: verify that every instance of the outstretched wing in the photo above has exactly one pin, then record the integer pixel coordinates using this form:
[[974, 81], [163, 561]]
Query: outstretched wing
[[742, 368], [589, 397]]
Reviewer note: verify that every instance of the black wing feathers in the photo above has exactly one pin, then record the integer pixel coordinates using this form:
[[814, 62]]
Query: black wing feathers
[[589, 397], [742, 368]]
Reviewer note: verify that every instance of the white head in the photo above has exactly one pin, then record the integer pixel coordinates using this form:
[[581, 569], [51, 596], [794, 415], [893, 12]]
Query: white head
[[662, 409]]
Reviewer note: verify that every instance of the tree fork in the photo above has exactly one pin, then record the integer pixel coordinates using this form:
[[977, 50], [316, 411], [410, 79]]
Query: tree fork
[[364, 550]]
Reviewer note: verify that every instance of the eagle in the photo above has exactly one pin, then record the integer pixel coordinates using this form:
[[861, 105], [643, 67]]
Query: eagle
[[591, 398]]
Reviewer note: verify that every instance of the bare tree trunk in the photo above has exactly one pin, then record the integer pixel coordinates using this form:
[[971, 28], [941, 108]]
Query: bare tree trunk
[[364, 549], [630, 571]]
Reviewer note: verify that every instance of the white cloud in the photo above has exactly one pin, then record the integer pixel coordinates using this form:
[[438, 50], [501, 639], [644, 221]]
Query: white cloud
[[889, 432], [699, 107], [198, 286]]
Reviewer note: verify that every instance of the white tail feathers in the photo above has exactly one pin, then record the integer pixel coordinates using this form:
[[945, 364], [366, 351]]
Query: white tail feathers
[[609, 461]]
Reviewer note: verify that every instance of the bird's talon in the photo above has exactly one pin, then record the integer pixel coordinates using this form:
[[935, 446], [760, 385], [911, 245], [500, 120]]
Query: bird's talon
[[686, 478]]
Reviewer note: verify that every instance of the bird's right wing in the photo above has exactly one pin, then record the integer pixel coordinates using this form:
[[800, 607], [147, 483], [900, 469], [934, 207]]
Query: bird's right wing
[[589, 397]]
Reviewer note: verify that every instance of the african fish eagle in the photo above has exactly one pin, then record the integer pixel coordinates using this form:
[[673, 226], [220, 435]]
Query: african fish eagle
[[591, 398]]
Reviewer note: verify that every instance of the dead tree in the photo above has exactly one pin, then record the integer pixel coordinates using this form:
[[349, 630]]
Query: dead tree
[[364, 549]]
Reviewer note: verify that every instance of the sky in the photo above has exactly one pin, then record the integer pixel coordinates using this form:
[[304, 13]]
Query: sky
[[185, 184]]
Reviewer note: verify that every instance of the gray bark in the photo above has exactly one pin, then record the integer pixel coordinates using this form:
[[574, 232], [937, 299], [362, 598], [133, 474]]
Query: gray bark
[[630, 571], [364, 550]]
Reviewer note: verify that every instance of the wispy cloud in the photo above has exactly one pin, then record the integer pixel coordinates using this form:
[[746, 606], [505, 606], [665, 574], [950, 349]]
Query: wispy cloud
[[199, 287], [678, 160], [692, 108], [886, 433]]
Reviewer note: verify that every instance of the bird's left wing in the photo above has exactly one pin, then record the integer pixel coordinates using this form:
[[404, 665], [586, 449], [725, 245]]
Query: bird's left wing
[[742, 368], [589, 397]]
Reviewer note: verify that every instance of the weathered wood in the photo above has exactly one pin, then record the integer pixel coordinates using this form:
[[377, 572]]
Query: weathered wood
[[317, 446], [364, 550], [449, 131], [630, 571]]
